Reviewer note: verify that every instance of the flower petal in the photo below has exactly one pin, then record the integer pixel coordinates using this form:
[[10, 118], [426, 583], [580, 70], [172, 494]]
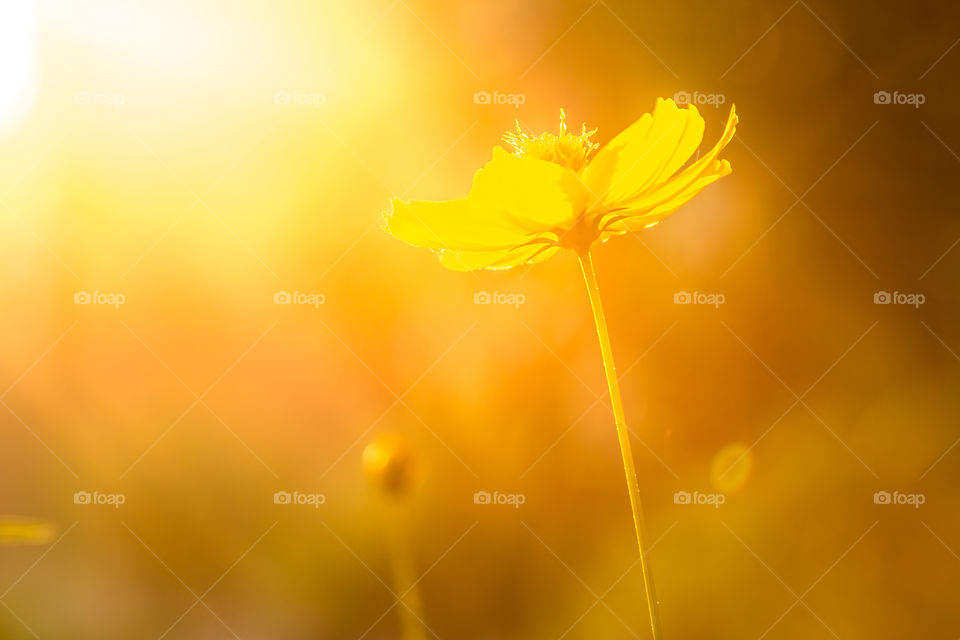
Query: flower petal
[[662, 200], [461, 225], [539, 195], [623, 221], [645, 153]]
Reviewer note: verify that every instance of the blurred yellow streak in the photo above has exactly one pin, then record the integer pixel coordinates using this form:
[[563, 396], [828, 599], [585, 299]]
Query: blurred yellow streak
[[15, 530]]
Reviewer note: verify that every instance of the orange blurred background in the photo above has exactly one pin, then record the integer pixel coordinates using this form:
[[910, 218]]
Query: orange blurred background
[[168, 169]]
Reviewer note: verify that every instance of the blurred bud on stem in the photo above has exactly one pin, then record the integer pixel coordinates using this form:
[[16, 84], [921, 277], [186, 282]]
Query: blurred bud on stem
[[390, 466], [391, 469]]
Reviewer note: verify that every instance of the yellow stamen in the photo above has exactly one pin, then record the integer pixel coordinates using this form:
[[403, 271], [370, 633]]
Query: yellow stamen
[[565, 149]]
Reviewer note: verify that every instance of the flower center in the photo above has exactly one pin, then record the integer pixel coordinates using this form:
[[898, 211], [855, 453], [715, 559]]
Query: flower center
[[566, 149]]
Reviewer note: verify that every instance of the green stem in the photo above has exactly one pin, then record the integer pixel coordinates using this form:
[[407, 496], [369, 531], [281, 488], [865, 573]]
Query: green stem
[[586, 262]]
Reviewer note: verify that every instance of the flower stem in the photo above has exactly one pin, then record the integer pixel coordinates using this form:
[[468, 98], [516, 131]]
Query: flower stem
[[586, 263], [404, 580]]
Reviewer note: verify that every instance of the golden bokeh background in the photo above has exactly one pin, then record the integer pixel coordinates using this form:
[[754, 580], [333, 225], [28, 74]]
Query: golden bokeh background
[[198, 158]]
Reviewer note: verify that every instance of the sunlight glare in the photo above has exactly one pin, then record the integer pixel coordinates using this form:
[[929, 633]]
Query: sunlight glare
[[17, 38]]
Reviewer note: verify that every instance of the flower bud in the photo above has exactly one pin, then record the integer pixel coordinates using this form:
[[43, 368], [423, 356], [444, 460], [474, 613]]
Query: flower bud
[[389, 464]]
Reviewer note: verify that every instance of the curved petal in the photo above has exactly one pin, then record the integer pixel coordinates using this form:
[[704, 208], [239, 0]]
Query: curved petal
[[474, 260], [664, 198], [645, 153], [539, 195], [460, 224], [623, 221]]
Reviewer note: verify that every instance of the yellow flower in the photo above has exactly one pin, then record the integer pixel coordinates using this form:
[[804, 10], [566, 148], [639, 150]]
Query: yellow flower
[[550, 194]]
